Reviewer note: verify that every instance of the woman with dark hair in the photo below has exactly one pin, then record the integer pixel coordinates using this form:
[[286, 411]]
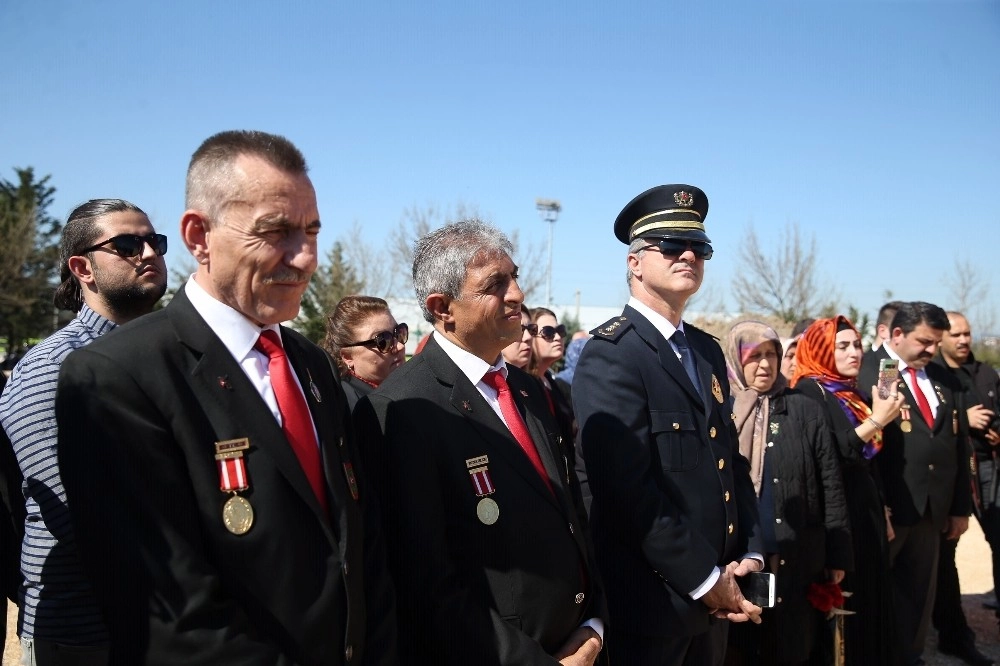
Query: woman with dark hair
[[795, 472], [365, 341], [546, 349], [518, 353], [828, 360]]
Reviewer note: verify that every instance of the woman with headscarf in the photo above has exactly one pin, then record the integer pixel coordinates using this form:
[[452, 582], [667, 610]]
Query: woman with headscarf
[[828, 360], [794, 469]]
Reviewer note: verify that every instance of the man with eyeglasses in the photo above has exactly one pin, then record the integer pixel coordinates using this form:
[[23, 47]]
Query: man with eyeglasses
[[112, 271], [674, 513], [212, 473]]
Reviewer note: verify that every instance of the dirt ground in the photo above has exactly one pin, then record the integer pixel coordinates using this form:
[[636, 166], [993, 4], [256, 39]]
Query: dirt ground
[[974, 570]]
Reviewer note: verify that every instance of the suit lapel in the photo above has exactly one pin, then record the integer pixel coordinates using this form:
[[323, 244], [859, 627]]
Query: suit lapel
[[232, 404], [472, 406], [668, 358]]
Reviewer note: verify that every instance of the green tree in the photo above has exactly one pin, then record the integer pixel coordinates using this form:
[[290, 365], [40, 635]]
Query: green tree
[[334, 279], [29, 258]]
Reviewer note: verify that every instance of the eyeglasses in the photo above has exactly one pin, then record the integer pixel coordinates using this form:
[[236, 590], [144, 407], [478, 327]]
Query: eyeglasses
[[548, 332], [673, 248], [384, 341], [130, 245], [532, 329]]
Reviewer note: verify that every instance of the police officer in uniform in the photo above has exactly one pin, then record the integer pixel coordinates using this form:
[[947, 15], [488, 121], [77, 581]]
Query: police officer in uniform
[[674, 515]]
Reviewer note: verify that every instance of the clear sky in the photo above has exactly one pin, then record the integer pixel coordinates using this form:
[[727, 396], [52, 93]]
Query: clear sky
[[873, 125]]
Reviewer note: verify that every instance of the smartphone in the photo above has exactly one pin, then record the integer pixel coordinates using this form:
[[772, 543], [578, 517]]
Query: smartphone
[[758, 588], [888, 375]]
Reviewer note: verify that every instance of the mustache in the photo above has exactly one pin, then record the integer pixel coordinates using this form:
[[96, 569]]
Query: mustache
[[289, 275]]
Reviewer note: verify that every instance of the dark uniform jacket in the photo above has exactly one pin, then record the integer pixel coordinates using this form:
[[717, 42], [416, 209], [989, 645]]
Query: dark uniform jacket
[[472, 591], [139, 412], [981, 385], [672, 497], [925, 469]]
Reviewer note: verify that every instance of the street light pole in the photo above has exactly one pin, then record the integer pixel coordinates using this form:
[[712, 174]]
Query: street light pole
[[548, 209]]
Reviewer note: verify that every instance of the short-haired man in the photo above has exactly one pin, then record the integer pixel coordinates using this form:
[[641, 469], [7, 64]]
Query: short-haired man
[[112, 271], [981, 386], [674, 511], [923, 464], [488, 540], [213, 478], [883, 323]]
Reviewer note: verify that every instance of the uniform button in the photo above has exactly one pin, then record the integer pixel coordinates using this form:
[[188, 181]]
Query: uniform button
[[341, 442], [579, 597], [726, 496], [348, 652], [711, 432], [781, 562], [778, 600], [931, 467], [770, 444], [775, 480], [722, 463], [345, 568], [730, 528], [732, 415], [677, 426], [777, 520], [571, 528]]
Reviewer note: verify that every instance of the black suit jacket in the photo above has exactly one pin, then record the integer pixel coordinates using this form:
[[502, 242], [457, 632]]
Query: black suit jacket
[[139, 413], [926, 468], [507, 593], [672, 497]]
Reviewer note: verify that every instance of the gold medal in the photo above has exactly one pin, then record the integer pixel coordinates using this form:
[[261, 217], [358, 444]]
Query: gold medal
[[237, 515], [905, 426], [716, 389], [487, 511]]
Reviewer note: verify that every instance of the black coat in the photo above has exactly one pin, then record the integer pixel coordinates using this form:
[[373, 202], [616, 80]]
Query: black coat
[[810, 513], [509, 592], [672, 497], [139, 412]]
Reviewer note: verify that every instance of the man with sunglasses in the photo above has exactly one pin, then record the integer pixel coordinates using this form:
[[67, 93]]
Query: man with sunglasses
[[112, 271], [486, 531], [674, 513], [218, 501]]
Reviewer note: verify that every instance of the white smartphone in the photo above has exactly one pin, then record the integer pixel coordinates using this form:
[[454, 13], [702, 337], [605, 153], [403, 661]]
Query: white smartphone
[[758, 588], [888, 375]]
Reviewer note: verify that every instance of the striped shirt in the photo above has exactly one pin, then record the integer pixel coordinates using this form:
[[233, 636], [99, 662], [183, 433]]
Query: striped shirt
[[56, 600]]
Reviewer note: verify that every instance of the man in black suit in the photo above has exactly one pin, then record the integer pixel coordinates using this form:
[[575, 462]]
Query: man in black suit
[[923, 464], [487, 537], [220, 510], [674, 512]]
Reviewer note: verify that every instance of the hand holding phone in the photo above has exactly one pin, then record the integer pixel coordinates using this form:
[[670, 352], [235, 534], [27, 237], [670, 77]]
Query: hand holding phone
[[758, 588]]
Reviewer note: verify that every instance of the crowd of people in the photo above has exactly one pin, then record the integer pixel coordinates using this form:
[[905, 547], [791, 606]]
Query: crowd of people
[[200, 484]]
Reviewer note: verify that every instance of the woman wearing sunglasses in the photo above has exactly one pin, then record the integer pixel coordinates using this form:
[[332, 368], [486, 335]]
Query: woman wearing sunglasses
[[547, 348], [367, 344], [519, 353]]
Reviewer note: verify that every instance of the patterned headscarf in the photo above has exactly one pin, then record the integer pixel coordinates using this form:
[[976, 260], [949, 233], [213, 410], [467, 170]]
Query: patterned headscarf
[[814, 359], [752, 410]]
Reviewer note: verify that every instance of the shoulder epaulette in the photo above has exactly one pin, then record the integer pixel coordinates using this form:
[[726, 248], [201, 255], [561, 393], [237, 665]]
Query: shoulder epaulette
[[612, 328], [692, 327]]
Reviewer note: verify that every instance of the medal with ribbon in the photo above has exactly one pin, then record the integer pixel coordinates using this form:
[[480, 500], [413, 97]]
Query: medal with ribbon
[[237, 514], [487, 509]]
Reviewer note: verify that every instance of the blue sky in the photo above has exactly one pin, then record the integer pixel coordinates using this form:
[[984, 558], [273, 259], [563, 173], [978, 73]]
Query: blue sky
[[875, 126]]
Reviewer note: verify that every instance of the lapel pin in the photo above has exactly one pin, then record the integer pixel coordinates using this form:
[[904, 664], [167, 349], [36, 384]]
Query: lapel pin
[[224, 382], [313, 388], [524, 393], [466, 406]]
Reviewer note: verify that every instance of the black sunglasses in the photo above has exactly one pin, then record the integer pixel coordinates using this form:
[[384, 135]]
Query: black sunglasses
[[673, 248], [130, 245], [532, 329], [384, 341], [549, 332]]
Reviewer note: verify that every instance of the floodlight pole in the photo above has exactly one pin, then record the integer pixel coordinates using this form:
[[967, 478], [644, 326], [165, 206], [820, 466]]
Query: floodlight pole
[[548, 209]]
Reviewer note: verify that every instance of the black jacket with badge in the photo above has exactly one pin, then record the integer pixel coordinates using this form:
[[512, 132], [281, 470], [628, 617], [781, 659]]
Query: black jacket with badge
[[476, 587], [981, 385], [672, 497], [926, 467]]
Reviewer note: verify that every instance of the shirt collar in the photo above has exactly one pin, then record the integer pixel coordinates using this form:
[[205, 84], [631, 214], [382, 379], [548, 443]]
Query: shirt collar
[[661, 323], [236, 332], [95, 322], [471, 365]]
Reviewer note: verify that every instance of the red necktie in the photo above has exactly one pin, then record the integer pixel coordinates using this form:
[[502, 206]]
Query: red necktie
[[925, 407], [295, 419], [515, 423]]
